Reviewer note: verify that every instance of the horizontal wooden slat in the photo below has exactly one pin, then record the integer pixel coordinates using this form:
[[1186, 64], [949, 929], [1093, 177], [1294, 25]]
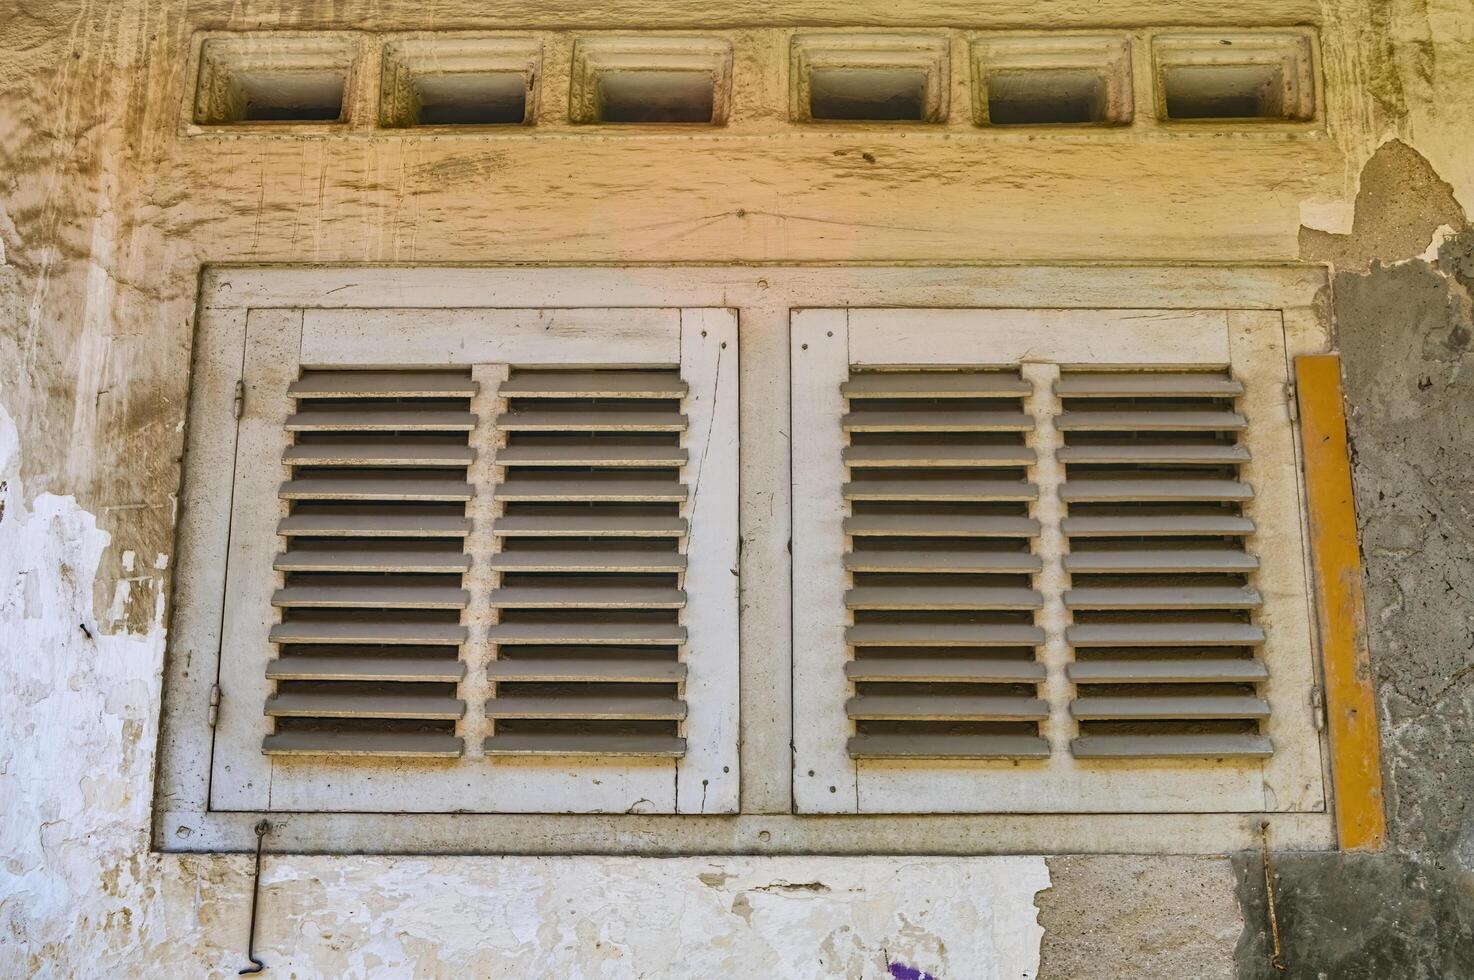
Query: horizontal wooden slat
[[367, 596], [1164, 635], [581, 487], [1175, 671], [581, 634], [609, 708], [1163, 597], [1164, 560], [593, 384], [632, 561], [942, 561], [1152, 420], [352, 418], [947, 747], [1155, 453], [405, 452], [936, 420], [1168, 708], [418, 669], [943, 670], [372, 561], [943, 635], [1157, 525], [912, 454], [947, 707], [387, 744], [374, 526], [383, 384], [945, 489], [590, 596], [376, 488], [943, 597], [591, 420], [1145, 385], [934, 384], [611, 670], [588, 526], [940, 526], [429, 707], [584, 744], [370, 633], [1170, 746], [1149, 489], [591, 453]]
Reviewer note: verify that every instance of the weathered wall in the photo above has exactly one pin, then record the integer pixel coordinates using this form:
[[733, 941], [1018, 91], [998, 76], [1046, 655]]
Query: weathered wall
[[106, 217]]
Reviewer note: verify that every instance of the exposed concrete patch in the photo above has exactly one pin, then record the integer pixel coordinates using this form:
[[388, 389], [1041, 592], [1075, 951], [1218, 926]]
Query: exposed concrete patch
[[1138, 917]]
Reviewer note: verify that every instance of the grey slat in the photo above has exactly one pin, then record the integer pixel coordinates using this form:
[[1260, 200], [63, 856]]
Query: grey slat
[[921, 455], [372, 561], [1170, 746], [936, 420], [1168, 708], [431, 707], [579, 487], [943, 635], [608, 707], [588, 561], [942, 561], [417, 669], [945, 707], [946, 489], [591, 420], [935, 384], [1128, 384], [586, 634], [376, 488], [363, 743], [1149, 452], [593, 384], [943, 597], [368, 596], [591, 453], [590, 596], [404, 452], [940, 526], [610, 670], [374, 526], [383, 384], [1163, 597], [1150, 420], [369, 633], [947, 747], [588, 526], [352, 418], [1175, 671], [1148, 489], [943, 670], [591, 743], [1158, 525], [1164, 635], [1163, 560]]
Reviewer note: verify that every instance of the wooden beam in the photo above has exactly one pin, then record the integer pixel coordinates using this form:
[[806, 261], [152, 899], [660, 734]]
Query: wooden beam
[[1351, 712]]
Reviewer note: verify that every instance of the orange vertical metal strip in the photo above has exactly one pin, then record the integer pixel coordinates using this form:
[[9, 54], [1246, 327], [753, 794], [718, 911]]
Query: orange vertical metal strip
[[1351, 712]]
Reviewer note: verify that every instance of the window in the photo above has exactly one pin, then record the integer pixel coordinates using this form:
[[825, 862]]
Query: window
[[1047, 560], [479, 560]]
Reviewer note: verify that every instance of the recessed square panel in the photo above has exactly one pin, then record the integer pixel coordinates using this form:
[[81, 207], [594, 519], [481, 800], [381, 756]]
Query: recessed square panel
[[675, 80], [869, 78], [1237, 77], [460, 81], [1041, 81], [272, 80]]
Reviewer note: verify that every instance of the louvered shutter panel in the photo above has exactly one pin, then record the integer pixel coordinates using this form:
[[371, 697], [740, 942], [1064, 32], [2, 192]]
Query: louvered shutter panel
[[1163, 629]]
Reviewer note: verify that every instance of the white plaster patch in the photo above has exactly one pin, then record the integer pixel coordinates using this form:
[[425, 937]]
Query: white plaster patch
[[1441, 234], [81, 895], [1329, 215]]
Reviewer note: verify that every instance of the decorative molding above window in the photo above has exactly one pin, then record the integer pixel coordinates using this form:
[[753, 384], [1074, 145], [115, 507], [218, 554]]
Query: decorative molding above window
[[460, 81], [651, 80], [869, 78], [1059, 80]]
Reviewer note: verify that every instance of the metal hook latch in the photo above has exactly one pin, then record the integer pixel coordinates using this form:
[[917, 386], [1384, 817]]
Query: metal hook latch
[[256, 964]]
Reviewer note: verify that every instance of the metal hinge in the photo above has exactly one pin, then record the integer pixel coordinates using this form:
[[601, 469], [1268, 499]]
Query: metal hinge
[[1318, 707], [214, 713], [240, 398], [1292, 402]]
